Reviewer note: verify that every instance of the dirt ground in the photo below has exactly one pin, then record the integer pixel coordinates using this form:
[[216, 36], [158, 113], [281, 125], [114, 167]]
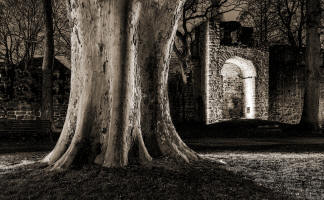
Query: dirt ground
[[219, 175]]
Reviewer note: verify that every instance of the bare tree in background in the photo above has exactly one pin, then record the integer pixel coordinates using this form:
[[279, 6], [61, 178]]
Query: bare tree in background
[[20, 30], [322, 25], [21, 24], [292, 15], [262, 16], [277, 21], [194, 13], [62, 29]]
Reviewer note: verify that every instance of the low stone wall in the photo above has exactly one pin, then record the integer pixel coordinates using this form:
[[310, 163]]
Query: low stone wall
[[19, 111], [26, 111], [20, 89]]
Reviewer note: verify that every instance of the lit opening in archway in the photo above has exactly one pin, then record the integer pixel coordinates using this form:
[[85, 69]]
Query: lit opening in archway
[[233, 96], [239, 73]]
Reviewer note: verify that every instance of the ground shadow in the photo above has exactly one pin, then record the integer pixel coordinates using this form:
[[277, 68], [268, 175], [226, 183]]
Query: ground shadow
[[242, 128], [160, 180]]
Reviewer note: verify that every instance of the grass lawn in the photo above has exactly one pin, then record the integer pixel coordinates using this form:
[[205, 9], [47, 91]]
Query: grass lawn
[[221, 175], [300, 175]]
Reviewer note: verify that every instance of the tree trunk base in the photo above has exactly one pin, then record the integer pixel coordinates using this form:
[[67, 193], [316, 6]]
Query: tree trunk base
[[119, 107]]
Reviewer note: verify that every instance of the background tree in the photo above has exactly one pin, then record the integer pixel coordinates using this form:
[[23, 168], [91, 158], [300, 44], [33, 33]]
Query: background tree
[[119, 104], [277, 21], [310, 116], [261, 15], [322, 24], [292, 17], [20, 30], [20, 37], [47, 66], [62, 29], [194, 13]]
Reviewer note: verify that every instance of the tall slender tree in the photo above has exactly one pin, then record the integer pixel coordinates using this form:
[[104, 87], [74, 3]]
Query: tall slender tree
[[47, 66], [310, 115], [118, 101]]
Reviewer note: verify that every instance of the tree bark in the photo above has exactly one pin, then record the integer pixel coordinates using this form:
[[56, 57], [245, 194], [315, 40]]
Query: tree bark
[[47, 97], [118, 107], [310, 115]]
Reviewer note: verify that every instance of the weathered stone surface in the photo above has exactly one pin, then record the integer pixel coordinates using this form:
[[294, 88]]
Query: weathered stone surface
[[279, 82], [185, 98], [287, 85], [203, 98], [217, 57]]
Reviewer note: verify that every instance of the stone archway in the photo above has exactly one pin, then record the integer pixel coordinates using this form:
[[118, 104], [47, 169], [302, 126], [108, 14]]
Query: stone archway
[[247, 75], [214, 56]]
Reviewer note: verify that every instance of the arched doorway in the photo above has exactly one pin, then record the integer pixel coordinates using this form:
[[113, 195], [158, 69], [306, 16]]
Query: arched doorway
[[238, 88]]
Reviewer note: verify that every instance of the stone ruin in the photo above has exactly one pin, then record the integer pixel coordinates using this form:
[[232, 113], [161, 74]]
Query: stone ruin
[[231, 79]]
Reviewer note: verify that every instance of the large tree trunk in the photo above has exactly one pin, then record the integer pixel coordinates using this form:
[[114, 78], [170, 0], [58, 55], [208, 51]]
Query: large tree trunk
[[118, 102], [310, 115], [47, 97]]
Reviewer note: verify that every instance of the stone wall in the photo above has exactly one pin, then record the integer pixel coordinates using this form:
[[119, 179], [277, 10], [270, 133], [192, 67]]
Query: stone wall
[[279, 82], [216, 57], [21, 92], [287, 82], [184, 98], [286, 86], [202, 98]]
